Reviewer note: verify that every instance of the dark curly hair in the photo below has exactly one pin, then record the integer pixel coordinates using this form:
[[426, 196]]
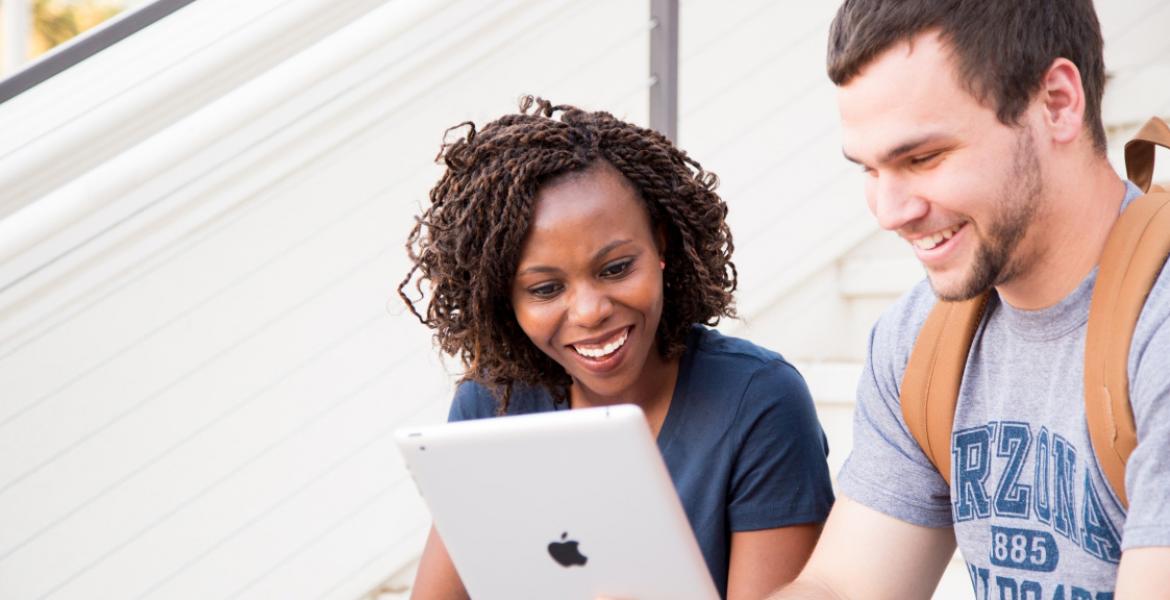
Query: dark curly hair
[[467, 243]]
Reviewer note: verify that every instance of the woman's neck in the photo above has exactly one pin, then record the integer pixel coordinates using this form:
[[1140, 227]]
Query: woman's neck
[[652, 391]]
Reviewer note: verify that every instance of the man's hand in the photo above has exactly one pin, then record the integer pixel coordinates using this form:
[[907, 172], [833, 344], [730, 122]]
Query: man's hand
[[1144, 573]]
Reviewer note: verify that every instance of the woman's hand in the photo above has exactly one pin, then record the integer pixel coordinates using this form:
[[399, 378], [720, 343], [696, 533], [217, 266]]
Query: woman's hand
[[437, 578], [764, 560]]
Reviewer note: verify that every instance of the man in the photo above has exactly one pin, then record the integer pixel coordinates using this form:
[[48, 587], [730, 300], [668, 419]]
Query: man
[[978, 126]]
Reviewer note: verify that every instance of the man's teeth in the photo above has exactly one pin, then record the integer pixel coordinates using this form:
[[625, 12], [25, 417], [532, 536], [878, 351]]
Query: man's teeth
[[930, 242], [600, 351]]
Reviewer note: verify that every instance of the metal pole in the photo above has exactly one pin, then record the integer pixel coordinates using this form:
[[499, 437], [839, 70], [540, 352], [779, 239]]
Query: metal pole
[[17, 15], [664, 68]]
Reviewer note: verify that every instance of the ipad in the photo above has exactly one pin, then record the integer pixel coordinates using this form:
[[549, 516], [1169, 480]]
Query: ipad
[[571, 504]]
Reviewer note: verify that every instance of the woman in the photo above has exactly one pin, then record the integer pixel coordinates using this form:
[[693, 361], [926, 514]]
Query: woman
[[573, 263]]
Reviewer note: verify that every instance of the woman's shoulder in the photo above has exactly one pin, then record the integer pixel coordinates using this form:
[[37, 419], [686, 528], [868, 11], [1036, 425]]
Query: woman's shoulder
[[474, 400], [758, 376], [712, 349], [756, 404]]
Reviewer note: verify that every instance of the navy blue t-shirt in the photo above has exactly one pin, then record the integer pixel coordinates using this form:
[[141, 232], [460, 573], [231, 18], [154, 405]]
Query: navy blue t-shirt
[[741, 440]]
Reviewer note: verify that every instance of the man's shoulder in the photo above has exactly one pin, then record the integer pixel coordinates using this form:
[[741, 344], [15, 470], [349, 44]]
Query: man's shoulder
[[1151, 336], [1159, 297], [1154, 320], [895, 331]]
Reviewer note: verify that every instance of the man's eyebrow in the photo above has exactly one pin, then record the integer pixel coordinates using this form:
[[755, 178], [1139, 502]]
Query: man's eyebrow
[[900, 150], [909, 146]]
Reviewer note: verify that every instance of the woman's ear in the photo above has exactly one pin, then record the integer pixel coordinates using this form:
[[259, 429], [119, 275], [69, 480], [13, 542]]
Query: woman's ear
[[660, 242]]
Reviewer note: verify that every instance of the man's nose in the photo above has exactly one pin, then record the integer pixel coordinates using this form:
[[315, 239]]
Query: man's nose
[[894, 203]]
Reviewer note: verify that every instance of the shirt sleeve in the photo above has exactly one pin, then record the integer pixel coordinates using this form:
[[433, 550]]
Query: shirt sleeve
[[887, 470], [1147, 473], [780, 476]]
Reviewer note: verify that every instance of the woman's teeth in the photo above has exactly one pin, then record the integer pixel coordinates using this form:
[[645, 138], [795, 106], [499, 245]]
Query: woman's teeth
[[591, 351], [930, 242]]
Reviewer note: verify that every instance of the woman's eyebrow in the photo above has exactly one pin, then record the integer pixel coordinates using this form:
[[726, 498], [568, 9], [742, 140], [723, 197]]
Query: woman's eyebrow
[[606, 249], [538, 269]]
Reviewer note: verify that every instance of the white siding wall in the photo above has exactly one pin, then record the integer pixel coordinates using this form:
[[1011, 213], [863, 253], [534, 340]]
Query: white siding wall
[[202, 354]]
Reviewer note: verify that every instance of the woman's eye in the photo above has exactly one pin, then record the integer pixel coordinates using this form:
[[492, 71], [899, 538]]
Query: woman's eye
[[547, 290], [616, 269]]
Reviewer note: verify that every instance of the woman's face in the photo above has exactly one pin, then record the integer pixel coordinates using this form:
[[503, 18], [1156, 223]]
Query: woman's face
[[588, 286]]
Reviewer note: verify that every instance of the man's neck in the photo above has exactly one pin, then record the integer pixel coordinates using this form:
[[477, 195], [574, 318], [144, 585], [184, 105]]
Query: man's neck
[[1066, 244]]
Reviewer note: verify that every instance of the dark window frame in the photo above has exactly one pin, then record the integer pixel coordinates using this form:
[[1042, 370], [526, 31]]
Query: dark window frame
[[86, 45]]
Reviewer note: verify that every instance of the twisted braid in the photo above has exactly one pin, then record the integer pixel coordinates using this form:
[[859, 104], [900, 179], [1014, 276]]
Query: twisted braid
[[466, 244]]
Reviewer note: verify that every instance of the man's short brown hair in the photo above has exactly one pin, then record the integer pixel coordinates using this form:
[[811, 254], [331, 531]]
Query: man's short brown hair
[[1002, 48]]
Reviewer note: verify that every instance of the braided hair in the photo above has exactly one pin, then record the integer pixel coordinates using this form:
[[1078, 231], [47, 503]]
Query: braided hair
[[466, 244]]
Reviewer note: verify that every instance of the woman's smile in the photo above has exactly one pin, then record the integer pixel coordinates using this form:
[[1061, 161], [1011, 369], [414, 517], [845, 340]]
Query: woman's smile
[[605, 355], [598, 348]]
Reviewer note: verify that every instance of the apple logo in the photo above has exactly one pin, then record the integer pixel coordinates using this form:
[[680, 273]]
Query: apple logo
[[565, 552]]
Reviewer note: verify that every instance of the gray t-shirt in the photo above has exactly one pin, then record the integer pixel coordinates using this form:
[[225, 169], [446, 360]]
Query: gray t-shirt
[[1033, 515]]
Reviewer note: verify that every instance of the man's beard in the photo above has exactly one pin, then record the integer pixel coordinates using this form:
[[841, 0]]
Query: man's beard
[[995, 262]]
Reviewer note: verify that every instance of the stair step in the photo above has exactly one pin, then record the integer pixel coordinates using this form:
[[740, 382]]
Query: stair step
[[832, 383]]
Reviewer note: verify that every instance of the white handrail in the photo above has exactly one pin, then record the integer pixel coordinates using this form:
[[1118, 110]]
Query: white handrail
[[67, 125], [65, 206]]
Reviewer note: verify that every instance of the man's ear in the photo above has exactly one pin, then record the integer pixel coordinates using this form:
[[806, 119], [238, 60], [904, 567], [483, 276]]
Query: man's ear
[[1062, 97]]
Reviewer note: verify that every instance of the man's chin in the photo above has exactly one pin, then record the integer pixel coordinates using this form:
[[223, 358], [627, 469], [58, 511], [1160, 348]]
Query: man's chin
[[950, 289]]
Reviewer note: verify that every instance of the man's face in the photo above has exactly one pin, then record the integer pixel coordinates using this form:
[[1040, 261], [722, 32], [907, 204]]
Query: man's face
[[941, 170]]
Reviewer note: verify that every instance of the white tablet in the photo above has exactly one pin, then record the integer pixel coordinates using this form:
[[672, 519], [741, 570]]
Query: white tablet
[[571, 504]]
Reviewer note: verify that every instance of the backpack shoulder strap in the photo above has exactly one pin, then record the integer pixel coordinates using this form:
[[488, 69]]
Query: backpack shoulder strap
[[1139, 152], [1134, 254], [930, 385]]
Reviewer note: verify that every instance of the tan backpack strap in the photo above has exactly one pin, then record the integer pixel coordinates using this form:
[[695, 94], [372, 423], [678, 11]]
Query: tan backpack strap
[[1133, 257], [930, 385], [1139, 152]]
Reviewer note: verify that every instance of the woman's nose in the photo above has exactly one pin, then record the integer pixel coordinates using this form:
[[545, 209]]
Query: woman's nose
[[590, 307]]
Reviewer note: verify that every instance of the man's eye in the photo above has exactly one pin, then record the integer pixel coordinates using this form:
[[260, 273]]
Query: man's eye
[[547, 290], [925, 158], [616, 269]]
